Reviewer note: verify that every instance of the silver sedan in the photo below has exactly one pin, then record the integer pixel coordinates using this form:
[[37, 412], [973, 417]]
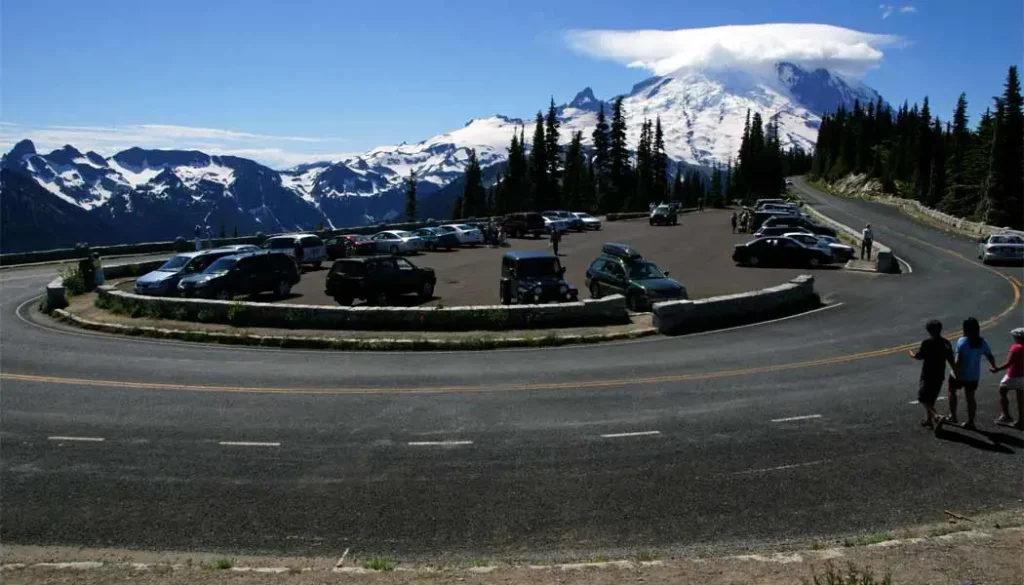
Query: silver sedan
[[397, 242]]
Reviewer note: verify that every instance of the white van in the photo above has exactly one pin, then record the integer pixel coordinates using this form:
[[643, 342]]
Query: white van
[[313, 250]]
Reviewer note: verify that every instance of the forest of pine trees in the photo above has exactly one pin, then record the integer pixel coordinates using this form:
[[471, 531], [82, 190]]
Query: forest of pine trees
[[975, 173]]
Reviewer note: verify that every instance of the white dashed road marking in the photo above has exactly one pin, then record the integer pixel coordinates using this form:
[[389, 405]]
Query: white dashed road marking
[[81, 439], [636, 434], [247, 444], [781, 467], [939, 399], [438, 443], [793, 418]]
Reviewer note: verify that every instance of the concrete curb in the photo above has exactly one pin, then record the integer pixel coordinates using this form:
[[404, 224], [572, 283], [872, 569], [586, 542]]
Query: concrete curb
[[380, 344]]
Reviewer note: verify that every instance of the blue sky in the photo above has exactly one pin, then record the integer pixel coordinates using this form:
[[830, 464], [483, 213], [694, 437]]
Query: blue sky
[[285, 82]]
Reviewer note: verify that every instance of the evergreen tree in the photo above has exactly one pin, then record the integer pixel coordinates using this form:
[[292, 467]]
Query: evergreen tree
[[1003, 203], [410, 196], [514, 194], [618, 160], [588, 189], [677, 185], [715, 197], [659, 162], [457, 209], [642, 196], [538, 167], [553, 151], [601, 138], [959, 199], [474, 196], [937, 170], [574, 180], [222, 232]]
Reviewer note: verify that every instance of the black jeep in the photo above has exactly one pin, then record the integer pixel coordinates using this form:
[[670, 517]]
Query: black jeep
[[378, 280], [529, 277]]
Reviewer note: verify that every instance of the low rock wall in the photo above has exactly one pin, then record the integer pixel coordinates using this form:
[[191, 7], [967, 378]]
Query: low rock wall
[[797, 295]]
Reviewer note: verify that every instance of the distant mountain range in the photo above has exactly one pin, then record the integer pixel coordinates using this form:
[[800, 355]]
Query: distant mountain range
[[56, 199]]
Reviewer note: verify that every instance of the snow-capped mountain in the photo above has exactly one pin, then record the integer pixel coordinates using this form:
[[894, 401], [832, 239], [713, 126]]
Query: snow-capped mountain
[[159, 194]]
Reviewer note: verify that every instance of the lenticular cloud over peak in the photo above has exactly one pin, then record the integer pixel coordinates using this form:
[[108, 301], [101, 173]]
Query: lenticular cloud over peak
[[842, 50]]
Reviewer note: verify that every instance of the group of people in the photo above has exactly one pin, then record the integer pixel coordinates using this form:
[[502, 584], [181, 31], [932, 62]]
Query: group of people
[[741, 222], [965, 361]]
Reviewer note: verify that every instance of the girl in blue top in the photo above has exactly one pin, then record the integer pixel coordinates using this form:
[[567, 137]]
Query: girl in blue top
[[969, 350]]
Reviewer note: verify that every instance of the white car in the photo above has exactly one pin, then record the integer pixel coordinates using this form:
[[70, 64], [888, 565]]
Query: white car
[[467, 234], [240, 248], [840, 251], [1007, 248], [313, 250], [589, 221], [553, 222], [397, 242], [827, 244]]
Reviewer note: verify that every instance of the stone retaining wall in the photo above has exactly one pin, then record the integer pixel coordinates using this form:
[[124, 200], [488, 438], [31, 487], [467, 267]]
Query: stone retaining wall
[[56, 294], [716, 312], [589, 313]]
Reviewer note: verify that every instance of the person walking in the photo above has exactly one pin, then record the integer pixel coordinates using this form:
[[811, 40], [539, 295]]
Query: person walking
[[1013, 380], [198, 238], [967, 370], [935, 352], [556, 236], [733, 221], [867, 239], [98, 278]]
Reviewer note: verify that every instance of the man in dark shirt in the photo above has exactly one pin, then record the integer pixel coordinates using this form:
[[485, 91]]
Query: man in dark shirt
[[935, 352]]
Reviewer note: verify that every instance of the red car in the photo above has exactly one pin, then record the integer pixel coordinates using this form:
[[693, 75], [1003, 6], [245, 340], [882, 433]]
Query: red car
[[350, 245]]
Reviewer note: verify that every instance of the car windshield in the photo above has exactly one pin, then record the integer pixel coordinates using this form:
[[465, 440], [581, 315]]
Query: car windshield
[[175, 264], [466, 227], [447, 229], [279, 243], [583, 215], [222, 265], [1006, 240], [538, 267], [405, 234], [644, 271]]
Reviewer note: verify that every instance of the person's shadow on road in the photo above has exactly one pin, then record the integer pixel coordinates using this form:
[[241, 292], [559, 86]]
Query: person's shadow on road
[[1003, 439], [958, 436]]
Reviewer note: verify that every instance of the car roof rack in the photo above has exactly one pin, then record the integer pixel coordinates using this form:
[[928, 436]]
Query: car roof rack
[[621, 250]]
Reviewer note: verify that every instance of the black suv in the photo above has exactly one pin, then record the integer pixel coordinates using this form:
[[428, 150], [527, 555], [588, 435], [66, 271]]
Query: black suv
[[622, 270], [243, 274], [799, 222], [519, 225], [378, 279], [664, 215], [529, 277]]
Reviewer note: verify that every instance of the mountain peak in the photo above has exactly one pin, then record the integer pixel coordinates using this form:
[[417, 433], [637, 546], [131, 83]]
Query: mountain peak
[[583, 98], [21, 150]]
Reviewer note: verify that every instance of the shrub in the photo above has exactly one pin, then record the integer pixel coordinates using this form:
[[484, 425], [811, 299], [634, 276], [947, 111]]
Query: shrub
[[238, 313], [853, 576], [379, 564], [206, 315], [74, 280]]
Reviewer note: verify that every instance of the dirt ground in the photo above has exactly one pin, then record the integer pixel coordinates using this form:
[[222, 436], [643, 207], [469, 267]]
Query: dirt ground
[[983, 551], [697, 252]]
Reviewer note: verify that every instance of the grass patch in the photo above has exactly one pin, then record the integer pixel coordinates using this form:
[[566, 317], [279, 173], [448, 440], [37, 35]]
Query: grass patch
[[852, 576], [379, 564], [875, 538], [478, 563], [601, 559], [646, 556], [218, 564]]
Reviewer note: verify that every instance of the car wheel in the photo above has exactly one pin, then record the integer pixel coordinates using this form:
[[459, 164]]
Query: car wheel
[[393, 250], [223, 295], [317, 265], [814, 262], [754, 260], [432, 246], [282, 289], [595, 292], [343, 300], [427, 291]]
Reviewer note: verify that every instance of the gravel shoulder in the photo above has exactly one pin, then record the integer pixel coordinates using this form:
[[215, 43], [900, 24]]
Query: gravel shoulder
[[981, 550]]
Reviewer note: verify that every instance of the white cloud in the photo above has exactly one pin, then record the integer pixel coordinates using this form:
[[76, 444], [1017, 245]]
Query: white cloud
[[108, 140], [886, 9], [889, 9], [908, 9], [663, 52]]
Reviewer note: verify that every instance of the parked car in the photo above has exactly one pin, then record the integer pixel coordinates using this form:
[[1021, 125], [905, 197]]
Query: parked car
[[576, 224], [589, 221], [436, 238], [164, 280], [810, 240], [243, 274], [766, 231], [622, 270], [522, 224], [347, 245], [796, 221], [762, 202], [467, 234], [240, 248], [1001, 248], [396, 242], [664, 215], [779, 251], [533, 277], [378, 279], [314, 253], [553, 222], [840, 251]]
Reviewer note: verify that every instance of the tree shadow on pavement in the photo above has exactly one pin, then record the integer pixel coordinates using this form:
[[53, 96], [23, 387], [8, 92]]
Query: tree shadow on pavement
[[953, 436]]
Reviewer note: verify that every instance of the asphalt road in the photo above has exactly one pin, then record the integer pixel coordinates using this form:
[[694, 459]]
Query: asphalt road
[[791, 429]]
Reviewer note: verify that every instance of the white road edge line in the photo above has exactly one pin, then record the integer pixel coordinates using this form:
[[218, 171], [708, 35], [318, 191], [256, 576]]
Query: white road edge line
[[792, 418], [438, 443], [247, 444], [82, 439], [634, 434], [910, 269]]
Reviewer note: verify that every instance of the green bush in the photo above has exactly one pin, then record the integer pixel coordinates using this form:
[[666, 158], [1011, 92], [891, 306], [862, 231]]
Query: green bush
[[206, 315], [238, 313], [852, 576], [74, 280]]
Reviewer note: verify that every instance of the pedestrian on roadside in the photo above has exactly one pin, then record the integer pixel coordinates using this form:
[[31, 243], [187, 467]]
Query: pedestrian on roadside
[[97, 266], [198, 238], [1013, 380], [733, 221], [967, 370], [935, 352], [556, 236], [867, 239]]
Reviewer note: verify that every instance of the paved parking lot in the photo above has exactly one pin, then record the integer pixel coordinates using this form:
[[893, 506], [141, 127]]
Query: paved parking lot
[[698, 253]]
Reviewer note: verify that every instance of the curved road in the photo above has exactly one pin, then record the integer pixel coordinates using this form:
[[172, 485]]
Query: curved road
[[800, 428]]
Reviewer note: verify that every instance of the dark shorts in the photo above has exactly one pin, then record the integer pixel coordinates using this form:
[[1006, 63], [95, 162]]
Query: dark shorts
[[955, 384], [928, 390]]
